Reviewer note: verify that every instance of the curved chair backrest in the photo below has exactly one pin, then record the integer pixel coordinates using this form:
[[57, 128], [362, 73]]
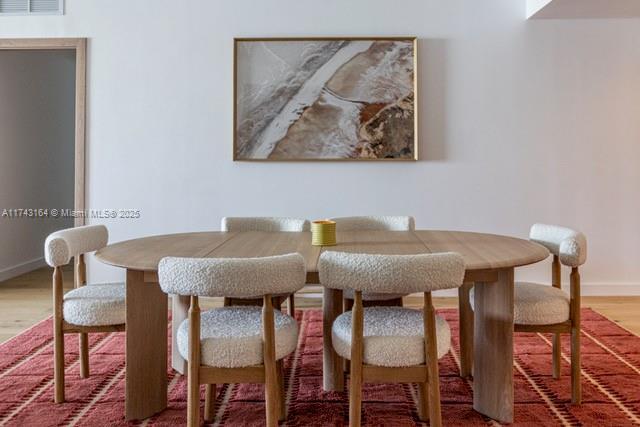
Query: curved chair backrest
[[375, 223], [64, 244], [232, 277], [263, 224], [570, 246], [397, 274]]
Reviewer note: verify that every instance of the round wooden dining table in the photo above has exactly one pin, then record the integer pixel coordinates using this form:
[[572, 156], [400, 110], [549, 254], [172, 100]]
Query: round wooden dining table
[[486, 332]]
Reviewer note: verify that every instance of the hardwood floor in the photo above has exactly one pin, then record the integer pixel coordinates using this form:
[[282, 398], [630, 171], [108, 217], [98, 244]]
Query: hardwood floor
[[25, 300]]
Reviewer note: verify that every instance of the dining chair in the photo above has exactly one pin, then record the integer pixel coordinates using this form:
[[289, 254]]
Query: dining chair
[[267, 224], [87, 308], [392, 344], [374, 223], [548, 309], [239, 344]]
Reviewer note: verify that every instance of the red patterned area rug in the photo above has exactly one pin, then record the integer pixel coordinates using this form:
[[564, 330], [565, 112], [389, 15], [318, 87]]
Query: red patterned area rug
[[610, 377]]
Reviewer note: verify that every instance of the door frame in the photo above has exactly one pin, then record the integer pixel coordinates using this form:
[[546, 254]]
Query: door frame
[[79, 45]]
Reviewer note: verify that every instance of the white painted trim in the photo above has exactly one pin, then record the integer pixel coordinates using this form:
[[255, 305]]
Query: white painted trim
[[609, 289], [25, 267], [593, 289]]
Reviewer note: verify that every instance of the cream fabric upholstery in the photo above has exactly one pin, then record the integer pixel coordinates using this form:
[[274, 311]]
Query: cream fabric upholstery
[[263, 224], [537, 304], [373, 223], [95, 305], [231, 337], [393, 336], [267, 224], [569, 245], [391, 274], [64, 244], [232, 277]]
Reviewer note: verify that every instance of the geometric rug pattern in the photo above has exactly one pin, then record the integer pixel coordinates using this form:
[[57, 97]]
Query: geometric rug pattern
[[610, 379]]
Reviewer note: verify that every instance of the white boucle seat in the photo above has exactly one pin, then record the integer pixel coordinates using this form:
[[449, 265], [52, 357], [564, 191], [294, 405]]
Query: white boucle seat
[[95, 305], [231, 337], [537, 304], [393, 336]]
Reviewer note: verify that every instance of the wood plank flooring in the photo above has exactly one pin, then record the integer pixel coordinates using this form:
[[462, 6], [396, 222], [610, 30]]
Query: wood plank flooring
[[25, 300]]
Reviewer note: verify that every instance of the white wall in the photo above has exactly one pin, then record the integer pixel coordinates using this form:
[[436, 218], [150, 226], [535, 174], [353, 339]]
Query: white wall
[[520, 121], [37, 97]]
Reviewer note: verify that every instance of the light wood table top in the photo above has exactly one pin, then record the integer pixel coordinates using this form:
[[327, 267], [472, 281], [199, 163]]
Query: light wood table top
[[480, 251]]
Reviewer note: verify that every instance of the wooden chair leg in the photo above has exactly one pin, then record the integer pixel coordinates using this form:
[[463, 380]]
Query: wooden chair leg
[[83, 339], [58, 371], [193, 379], [423, 401], [271, 395], [282, 397], [291, 305], [355, 394], [431, 359], [576, 385], [557, 355], [58, 336], [209, 402], [357, 353], [466, 330], [270, 369]]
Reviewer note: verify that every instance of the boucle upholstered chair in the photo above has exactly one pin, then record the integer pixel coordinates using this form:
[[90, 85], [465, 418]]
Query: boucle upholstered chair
[[234, 344], [267, 224], [374, 223], [87, 308], [548, 309], [263, 224], [392, 344]]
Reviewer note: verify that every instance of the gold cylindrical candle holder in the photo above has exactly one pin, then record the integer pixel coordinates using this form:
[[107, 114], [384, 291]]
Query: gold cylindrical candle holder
[[323, 233]]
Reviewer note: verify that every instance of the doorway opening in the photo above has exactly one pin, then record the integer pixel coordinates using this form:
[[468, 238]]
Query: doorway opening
[[42, 159]]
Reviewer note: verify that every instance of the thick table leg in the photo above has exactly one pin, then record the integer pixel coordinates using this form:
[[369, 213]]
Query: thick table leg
[[179, 312], [466, 330], [146, 348], [493, 354], [333, 376]]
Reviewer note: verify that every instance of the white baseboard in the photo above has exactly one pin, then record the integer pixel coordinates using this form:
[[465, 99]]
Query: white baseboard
[[610, 289], [25, 267], [587, 290]]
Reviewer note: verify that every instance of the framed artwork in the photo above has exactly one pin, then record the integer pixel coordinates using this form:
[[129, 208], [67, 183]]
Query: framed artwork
[[325, 99]]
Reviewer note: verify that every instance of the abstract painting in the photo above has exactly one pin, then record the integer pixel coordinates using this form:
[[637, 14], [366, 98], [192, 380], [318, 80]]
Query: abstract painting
[[325, 99]]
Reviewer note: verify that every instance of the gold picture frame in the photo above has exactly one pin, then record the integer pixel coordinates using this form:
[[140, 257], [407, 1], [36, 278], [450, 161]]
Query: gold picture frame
[[289, 148]]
